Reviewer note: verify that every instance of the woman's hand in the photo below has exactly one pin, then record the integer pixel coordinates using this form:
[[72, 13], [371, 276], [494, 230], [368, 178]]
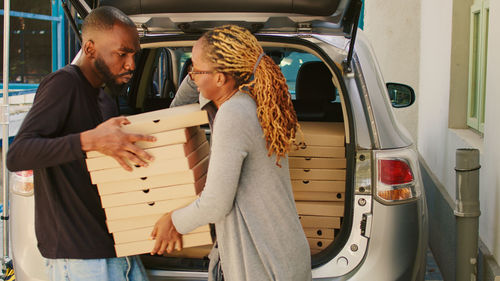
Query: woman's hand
[[166, 236]]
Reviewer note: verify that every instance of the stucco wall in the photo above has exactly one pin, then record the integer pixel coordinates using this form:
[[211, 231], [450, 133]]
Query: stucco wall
[[436, 141], [393, 28], [434, 85], [490, 185]]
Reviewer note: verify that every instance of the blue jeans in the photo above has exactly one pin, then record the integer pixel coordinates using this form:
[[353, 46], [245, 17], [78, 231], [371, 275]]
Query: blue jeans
[[110, 269]]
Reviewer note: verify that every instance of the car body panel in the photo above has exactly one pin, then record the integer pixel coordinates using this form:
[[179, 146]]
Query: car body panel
[[393, 229], [377, 241], [387, 133], [28, 262]]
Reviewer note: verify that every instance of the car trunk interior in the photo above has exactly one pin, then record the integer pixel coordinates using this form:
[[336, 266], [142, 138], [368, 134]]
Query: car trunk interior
[[322, 162]]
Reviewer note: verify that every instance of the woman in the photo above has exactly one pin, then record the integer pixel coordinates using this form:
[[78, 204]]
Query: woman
[[248, 193]]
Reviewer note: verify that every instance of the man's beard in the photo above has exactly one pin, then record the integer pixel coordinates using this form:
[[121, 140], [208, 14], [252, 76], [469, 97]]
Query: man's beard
[[109, 79]]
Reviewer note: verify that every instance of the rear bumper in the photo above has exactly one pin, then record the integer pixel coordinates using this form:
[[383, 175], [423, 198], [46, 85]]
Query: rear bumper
[[398, 243]]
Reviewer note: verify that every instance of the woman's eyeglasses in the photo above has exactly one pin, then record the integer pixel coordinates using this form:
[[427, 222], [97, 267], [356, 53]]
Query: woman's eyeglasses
[[192, 73]]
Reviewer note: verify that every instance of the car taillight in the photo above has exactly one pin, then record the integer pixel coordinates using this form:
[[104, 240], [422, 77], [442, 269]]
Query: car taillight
[[398, 177], [394, 172], [22, 182]]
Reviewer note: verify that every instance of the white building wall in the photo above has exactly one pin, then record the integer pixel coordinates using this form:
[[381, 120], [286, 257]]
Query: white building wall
[[393, 28], [412, 40], [437, 143], [434, 85], [490, 171]]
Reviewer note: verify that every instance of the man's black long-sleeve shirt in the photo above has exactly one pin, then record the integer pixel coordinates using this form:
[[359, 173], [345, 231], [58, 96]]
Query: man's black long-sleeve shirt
[[69, 219]]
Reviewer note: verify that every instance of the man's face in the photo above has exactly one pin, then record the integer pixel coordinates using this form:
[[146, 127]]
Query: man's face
[[115, 54]]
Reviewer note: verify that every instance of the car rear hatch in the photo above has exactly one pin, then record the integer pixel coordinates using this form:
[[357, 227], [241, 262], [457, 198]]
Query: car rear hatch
[[321, 17]]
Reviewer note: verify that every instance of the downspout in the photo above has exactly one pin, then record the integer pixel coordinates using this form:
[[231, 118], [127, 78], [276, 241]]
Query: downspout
[[4, 120], [467, 213]]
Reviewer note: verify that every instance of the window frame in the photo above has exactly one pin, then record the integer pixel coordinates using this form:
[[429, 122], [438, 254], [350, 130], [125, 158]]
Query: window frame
[[58, 39], [476, 92]]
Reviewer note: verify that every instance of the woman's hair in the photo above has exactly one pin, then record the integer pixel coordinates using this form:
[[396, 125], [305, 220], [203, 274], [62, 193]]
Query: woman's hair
[[235, 51]]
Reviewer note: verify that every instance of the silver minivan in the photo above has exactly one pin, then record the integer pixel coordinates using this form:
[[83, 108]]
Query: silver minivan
[[333, 76]]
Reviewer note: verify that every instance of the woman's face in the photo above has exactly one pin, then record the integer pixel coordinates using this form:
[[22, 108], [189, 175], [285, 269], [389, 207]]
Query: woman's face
[[206, 81]]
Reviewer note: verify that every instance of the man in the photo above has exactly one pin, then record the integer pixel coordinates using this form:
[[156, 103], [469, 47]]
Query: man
[[64, 123]]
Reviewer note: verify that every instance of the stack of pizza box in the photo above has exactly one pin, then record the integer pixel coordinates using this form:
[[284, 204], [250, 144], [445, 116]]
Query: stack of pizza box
[[134, 200], [318, 173]]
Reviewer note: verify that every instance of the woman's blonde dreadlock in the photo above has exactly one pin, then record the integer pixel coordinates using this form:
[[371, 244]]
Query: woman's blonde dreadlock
[[235, 51]]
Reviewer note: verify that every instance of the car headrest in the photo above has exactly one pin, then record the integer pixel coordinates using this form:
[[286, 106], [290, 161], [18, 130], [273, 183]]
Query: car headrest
[[185, 69], [314, 81]]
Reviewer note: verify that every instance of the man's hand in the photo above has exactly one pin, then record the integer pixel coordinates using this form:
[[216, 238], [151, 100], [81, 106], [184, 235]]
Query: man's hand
[[108, 139], [166, 236]]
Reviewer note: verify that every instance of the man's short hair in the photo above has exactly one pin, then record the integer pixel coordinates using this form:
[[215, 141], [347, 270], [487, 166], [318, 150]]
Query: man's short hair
[[103, 18]]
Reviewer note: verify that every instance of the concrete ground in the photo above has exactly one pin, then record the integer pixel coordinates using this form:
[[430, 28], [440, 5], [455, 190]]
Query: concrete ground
[[432, 272]]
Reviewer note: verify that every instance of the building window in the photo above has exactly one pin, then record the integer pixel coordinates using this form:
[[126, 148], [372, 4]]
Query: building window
[[477, 64], [37, 42]]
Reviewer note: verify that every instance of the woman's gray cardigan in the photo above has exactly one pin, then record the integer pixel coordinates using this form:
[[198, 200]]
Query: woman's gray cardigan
[[250, 200]]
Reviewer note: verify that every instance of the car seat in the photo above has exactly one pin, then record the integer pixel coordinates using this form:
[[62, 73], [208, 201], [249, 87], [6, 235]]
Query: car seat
[[316, 96], [186, 67]]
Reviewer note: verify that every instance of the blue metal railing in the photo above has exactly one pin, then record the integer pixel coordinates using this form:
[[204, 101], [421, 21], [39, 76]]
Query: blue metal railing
[[20, 92], [32, 16], [20, 86]]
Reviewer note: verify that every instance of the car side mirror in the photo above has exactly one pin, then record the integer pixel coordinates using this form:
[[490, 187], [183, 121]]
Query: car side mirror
[[401, 95]]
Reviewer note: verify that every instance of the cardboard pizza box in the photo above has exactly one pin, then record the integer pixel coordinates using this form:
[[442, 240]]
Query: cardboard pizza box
[[323, 133], [315, 251], [324, 233], [319, 243], [117, 225], [318, 185], [158, 152], [176, 136], [142, 247], [318, 151], [150, 195], [157, 167], [317, 174], [316, 208], [166, 119], [318, 196], [143, 183], [319, 221], [316, 162], [148, 208], [141, 234]]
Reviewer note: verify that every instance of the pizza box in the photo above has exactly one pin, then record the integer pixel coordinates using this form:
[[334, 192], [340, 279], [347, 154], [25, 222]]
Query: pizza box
[[145, 246], [147, 182], [176, 136], [316, 162], [318, 185], [315, 208], [317, 174], [319, 221], [323, 133], [157, 167]]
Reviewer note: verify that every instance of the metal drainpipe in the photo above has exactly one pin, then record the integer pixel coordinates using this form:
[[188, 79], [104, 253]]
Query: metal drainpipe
[[467, 213]]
